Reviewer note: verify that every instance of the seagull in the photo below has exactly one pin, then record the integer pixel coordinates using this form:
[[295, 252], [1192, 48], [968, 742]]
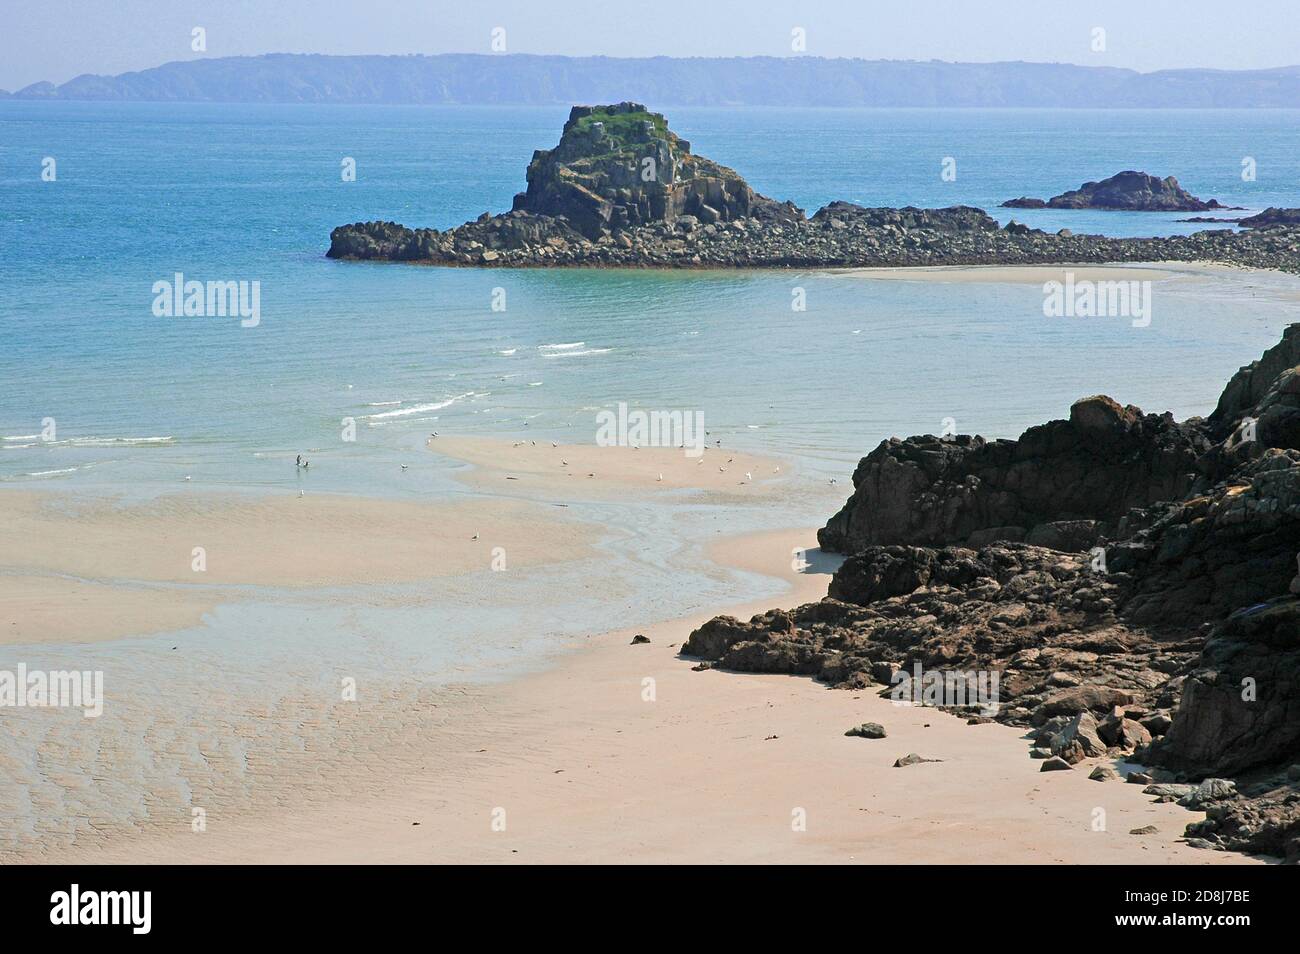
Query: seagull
[[832, 480], [748, 475], [404, 467], [188, 477], [564, 463], [475, 537], [661, 477], [300, 493], [434, 434], [553, 444]]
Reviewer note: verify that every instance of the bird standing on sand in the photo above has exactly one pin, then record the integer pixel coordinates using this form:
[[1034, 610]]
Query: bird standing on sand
[[660, 477], [748, 475], [475, 537]]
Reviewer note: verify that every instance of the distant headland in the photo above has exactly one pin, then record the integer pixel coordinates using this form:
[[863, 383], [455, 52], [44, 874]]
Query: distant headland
[[527, 80], [622, 189]]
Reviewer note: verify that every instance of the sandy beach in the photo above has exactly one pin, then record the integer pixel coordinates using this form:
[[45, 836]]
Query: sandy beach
[[1026, 274], [612, 752], [580, 765]]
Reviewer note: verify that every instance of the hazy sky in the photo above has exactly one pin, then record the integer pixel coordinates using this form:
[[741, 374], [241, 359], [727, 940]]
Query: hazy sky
[[58, 39]]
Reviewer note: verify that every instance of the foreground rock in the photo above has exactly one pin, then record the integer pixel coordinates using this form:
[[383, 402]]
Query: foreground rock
[[1118, 583], [868, 730], [1125, 191], [621, 189]]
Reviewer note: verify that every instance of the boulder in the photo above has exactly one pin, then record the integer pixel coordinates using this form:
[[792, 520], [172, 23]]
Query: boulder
[[912, 759], [1079, 740], [867, 730]]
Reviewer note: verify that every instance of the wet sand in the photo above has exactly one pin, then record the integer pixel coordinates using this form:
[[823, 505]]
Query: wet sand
[[621, 753]]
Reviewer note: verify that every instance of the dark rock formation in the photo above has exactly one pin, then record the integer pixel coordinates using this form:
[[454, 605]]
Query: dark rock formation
[[1272, 218], [1175, 639], [589, 204], [1128, 191], [1062, 484], [1242, 704]]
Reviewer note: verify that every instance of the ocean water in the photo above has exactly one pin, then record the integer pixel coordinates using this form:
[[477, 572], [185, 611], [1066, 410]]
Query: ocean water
[[250, 193]]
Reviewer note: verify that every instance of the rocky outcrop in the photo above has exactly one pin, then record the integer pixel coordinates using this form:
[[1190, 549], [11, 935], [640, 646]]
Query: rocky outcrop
[[622, 190], [1175, 639], [621, 166], [1272, 218], [1063, 484], [1242, 703], [1127, 191]]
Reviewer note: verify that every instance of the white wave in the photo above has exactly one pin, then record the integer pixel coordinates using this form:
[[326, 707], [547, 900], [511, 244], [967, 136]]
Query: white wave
[[22, 437], [116, 441], [534, 384], [562, 347], [510, 351], [52, 473], [421, 408], [577, 354], [382, 403]]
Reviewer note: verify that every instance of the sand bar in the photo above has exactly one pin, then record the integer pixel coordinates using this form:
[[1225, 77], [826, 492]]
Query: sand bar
[[539, 467]]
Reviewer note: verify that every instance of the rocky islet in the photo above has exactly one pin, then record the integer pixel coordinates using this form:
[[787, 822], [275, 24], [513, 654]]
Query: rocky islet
[[621, 189]]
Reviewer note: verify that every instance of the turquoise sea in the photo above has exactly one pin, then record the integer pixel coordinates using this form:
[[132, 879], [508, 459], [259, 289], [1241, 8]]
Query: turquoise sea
[[139, 403], [250, 193]]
